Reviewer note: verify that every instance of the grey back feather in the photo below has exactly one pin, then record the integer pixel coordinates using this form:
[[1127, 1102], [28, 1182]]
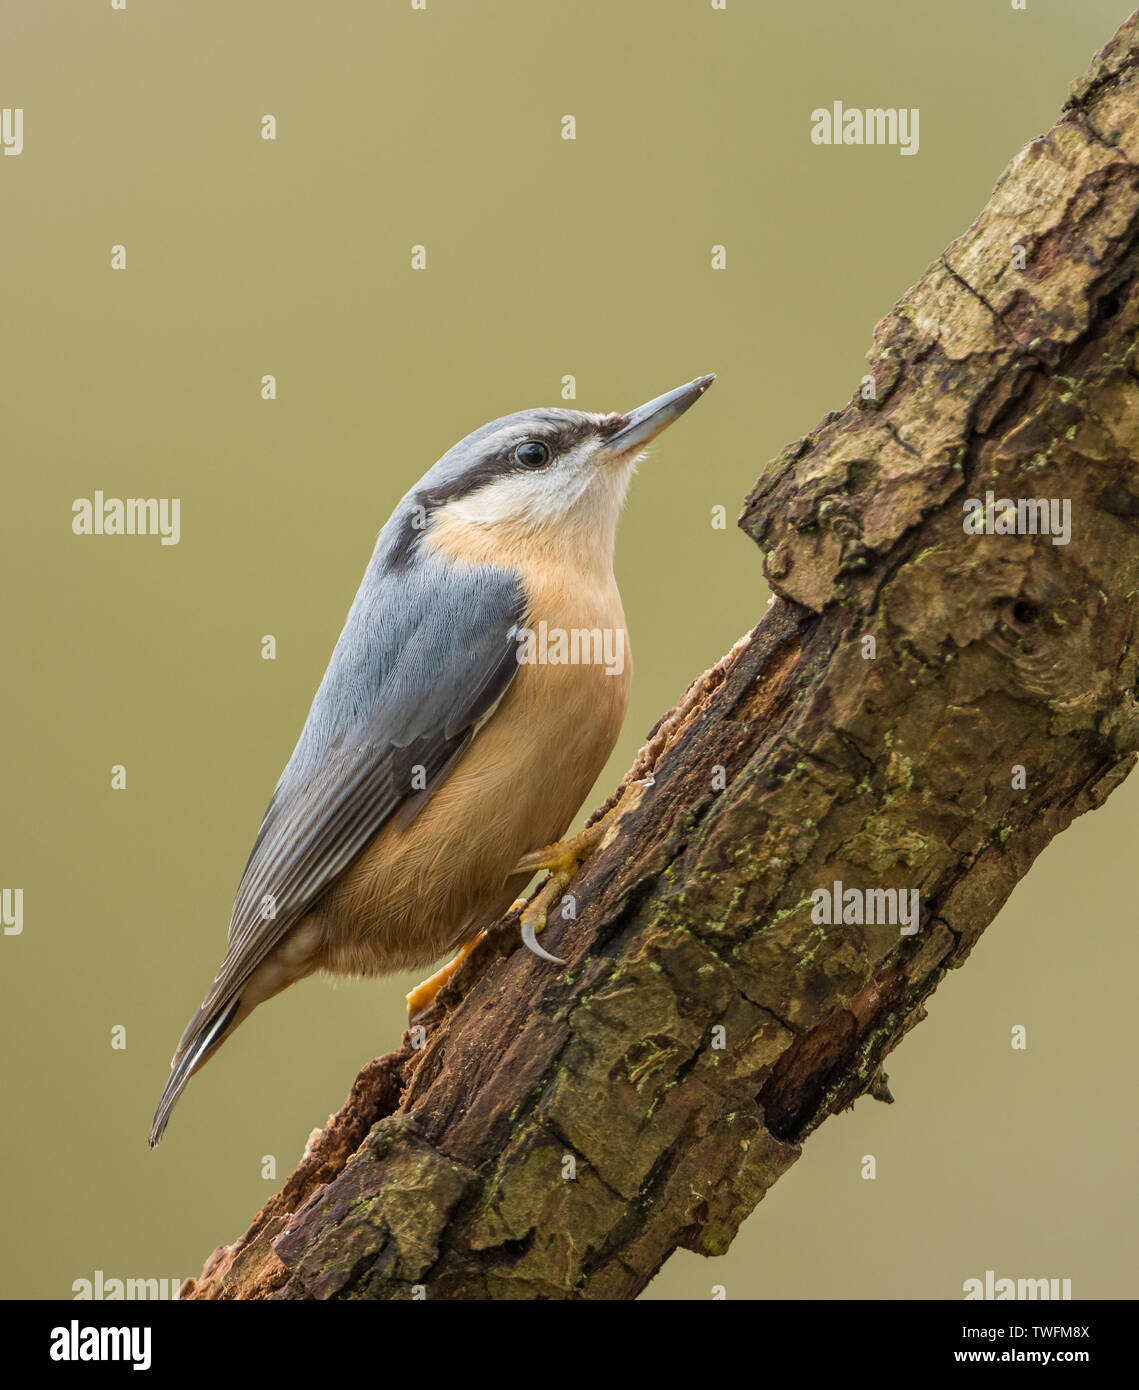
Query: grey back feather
[[423, 656]]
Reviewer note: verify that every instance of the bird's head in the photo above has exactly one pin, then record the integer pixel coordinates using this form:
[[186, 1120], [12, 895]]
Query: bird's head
[[546, 477]]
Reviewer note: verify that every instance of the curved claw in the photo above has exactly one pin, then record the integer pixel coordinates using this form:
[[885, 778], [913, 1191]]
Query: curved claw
[[530, 941]]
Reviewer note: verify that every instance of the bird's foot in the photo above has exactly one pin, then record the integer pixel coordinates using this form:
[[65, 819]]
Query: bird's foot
[[423, 995], [562, 860]]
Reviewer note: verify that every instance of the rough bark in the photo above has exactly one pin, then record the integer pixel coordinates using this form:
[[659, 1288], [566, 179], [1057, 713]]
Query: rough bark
[[446, 1172]]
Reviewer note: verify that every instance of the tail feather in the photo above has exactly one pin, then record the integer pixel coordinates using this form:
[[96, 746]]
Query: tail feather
[[204, 1033]]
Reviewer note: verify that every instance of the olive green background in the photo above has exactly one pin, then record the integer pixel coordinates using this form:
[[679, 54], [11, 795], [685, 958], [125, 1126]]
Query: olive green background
[[545, 257]]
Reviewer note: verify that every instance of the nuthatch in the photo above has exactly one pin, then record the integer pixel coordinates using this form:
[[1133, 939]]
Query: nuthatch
[[439, 766]]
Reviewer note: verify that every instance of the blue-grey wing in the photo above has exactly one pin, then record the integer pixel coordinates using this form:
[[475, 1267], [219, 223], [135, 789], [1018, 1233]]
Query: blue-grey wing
[[422, 662]]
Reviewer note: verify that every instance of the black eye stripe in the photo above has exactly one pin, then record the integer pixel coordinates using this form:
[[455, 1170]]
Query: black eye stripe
[[566, 435]]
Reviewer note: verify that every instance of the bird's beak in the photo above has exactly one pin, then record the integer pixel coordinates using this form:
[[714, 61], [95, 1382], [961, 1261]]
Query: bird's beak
[[647, 421]]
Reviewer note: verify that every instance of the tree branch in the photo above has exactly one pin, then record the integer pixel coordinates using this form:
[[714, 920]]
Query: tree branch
[[561, 1132]]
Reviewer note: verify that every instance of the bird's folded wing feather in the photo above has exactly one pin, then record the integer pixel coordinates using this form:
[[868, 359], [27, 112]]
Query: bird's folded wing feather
[[418, 668]]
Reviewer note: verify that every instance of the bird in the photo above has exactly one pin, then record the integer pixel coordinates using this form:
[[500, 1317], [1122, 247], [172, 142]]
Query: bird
[[446, 750]]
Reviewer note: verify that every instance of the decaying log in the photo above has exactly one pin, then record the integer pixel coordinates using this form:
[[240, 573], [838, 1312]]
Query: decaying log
[[561, 1132]]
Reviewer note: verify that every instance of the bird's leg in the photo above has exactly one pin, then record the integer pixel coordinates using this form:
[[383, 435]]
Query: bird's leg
[[423, 995], [562, 860]]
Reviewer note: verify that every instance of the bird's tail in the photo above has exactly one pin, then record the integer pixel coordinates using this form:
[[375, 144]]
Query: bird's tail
[[205, 1032]]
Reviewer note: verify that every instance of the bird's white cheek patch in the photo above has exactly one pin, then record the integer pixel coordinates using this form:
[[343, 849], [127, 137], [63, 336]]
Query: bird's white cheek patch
[[518, 497], [574, 504], [530, 499]]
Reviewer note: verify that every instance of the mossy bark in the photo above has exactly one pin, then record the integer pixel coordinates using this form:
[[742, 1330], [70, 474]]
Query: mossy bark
[[561, 1132]]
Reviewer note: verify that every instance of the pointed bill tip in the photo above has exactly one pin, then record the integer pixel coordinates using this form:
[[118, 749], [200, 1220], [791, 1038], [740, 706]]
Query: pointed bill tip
[[647, 421]]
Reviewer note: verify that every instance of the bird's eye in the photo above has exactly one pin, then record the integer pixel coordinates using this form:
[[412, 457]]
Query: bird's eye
[[532, 453]]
